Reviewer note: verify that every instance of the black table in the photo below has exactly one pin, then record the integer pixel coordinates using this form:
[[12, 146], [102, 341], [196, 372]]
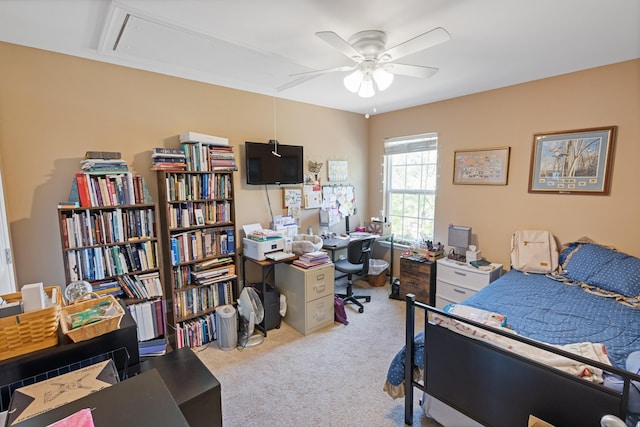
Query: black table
[[141, 401]]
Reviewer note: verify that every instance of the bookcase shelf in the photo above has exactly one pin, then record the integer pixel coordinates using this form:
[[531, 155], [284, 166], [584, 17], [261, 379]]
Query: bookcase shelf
[[198, 240], [116, 249]]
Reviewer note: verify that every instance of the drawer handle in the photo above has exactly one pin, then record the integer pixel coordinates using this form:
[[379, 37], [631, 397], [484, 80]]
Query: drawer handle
[[319, 288], [320, 277], [460, 291], [459, 273], [320, 315]]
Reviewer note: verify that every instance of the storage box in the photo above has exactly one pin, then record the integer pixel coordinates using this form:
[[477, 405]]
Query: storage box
[[28, 332], [376, 227], [34, 399], [92, 329]]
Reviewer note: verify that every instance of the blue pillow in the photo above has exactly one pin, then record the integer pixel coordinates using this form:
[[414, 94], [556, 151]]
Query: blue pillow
[[603, 267]]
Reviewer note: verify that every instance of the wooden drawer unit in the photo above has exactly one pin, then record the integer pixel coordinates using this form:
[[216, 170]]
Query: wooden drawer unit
[[309, 294], [457, 281], [418, 277]]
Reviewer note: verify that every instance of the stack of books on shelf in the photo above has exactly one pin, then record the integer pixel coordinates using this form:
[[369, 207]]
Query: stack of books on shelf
[[153, 347], [105, 180], [206, 153], [104, 162], [197, 331], [172, 159], [312, 259], [107, 287]]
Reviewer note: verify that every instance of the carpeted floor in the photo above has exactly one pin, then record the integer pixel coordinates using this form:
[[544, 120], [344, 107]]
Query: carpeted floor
[[333, 377]]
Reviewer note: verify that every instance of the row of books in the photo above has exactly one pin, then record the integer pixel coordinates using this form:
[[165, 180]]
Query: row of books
[[203, 157], [196, 332], [108, 189], [182, 276], [312, 259], [103, 227], [201, 244], [184, 187], [142, 286], [101, 262], [198, 213], [149, 318], [197, 300], [168, 159]]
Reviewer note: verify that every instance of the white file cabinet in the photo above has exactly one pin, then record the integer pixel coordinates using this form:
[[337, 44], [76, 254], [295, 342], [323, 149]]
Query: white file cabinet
[[309, 295], [457, 281]]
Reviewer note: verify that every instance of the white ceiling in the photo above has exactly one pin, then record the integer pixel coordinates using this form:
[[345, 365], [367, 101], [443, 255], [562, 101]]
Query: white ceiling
[[255, 45]]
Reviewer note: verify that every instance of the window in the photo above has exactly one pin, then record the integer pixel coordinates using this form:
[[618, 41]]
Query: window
[[410, 186]]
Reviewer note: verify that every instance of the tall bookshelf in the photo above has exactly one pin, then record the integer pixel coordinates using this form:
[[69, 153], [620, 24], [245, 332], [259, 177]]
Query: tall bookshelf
[[197, 231], [115, 249]]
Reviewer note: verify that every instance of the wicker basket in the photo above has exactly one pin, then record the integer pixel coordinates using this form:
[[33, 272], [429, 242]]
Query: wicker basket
[[92, 329], [27, 332]]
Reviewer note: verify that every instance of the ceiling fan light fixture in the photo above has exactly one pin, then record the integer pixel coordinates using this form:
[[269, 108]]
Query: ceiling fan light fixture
[[353, 81], [366, 88], [383, 78]]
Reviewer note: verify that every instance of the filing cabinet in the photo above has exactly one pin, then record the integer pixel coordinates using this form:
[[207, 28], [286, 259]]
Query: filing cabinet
[[309, 294]]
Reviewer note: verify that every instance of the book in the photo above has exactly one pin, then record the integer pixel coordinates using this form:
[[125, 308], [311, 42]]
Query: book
[[103, 155]]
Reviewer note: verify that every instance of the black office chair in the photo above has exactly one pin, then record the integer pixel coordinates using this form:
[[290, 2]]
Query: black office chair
[[357, 262]]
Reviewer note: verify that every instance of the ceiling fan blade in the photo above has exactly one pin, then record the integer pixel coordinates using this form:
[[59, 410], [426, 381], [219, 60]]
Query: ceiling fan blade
[[326, 71], [340, 44], [411, 70], [296, 82], [423, 41], [308, 75]]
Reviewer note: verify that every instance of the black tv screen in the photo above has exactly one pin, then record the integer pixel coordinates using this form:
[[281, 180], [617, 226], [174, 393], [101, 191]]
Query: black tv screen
[[264, 167]]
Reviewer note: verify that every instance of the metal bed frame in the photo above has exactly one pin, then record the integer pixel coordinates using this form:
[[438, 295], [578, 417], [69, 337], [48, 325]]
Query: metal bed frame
[[498, 388]]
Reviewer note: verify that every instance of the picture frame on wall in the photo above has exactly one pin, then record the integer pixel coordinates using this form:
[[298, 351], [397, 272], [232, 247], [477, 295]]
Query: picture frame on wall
[[572, 162], [489, 166]]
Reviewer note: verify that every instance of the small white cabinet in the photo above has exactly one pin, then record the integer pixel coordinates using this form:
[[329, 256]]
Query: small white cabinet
[[457, 281], [309, 295]]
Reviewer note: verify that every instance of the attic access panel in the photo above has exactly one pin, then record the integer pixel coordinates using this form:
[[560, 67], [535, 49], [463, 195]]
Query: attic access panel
[[153, 41]]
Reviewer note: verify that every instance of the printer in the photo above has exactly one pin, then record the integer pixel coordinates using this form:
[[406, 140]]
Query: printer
[[260, 242], [259, 249]]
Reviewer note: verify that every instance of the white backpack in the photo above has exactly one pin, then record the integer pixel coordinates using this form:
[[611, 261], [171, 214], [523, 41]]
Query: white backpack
[[534, 251]]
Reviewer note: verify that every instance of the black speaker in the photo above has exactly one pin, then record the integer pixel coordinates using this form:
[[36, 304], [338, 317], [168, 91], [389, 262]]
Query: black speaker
[[271, 303]]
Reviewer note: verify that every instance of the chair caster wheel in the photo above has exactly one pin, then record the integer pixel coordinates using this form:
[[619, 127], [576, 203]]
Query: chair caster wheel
[[361, 310], [368, 299]]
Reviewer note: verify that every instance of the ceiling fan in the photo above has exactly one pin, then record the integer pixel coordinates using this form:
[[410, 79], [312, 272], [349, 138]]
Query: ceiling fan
[[374, 62]]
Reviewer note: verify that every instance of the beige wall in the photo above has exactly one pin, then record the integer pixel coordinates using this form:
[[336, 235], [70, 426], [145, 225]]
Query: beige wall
[[509, 117], [53, 108]]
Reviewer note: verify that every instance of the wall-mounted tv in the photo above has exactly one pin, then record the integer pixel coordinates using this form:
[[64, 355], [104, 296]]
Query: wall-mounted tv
[[264, 166]]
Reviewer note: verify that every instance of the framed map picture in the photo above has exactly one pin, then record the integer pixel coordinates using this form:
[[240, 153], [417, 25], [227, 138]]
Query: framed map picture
[[489, 166]]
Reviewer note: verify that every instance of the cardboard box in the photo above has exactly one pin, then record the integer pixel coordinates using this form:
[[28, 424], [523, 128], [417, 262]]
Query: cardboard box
[[377, 227], [38, 398]]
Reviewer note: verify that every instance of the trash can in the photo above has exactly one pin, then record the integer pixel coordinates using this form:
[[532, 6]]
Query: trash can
[[227, 324], [377, 272]]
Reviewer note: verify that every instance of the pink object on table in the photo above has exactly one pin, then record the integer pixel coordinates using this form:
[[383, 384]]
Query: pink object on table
[[82, 418]]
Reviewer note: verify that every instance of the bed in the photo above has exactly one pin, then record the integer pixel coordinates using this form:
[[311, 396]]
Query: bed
[[481, 372]]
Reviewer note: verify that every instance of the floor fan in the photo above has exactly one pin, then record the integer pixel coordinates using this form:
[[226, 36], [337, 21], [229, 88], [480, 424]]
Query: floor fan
[[251, 312]]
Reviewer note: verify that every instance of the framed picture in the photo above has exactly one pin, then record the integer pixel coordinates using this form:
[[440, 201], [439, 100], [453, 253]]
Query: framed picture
[[338, 170], [489, 166], [572, 162]]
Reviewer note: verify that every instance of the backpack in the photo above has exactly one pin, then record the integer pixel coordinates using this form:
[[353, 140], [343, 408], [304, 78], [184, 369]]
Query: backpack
[[340, 312], [534, 251]]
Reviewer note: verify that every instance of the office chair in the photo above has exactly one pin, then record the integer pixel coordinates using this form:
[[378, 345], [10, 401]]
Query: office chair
[[357, 262]]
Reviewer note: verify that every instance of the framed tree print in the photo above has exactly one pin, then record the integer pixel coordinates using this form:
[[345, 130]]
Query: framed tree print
[[572, 162]]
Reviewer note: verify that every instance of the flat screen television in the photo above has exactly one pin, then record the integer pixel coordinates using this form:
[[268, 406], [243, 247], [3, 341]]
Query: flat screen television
[[265, 167]]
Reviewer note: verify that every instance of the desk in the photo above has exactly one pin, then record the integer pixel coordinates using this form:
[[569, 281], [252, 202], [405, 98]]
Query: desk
[[267, 267], [332, 245]]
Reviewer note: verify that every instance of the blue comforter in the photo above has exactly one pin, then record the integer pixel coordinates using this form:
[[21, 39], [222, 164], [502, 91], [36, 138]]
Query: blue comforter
[[549, 311]]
